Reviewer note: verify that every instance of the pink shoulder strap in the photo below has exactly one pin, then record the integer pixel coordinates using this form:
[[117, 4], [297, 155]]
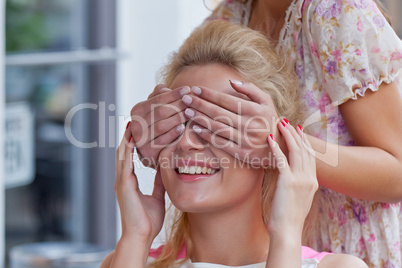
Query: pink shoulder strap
[[309, 253], [154, 253]]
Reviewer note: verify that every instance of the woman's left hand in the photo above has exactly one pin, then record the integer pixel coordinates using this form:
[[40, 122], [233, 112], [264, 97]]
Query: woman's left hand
[[297, 182], [238, 125]]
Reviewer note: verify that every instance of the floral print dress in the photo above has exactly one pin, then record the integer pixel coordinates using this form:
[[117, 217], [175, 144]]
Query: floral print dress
[[340, 49]]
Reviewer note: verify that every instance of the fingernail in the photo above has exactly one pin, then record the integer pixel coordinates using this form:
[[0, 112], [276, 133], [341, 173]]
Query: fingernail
[[283, 123], [187, 99], [300, 127], [184, 90], [129, 139], [197, 129], [189, 113], [128, 124], [236, 82], [272, 137], [165, 89], [286, 121], [196, 90], [180, 128]]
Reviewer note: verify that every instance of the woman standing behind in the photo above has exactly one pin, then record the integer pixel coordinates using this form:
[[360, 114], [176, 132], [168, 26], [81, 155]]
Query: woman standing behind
[[347, 58]]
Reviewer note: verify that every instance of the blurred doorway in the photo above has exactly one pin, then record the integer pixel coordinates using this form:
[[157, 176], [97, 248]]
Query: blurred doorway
[[60, 57]]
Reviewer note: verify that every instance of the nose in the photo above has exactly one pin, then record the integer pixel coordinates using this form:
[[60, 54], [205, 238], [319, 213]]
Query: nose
[[190, 141]]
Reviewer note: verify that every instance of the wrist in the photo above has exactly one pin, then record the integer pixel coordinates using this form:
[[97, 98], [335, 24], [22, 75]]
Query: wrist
[[131, 250]]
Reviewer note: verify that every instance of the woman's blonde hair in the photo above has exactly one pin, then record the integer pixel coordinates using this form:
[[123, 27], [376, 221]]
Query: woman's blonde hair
[[254, 58]]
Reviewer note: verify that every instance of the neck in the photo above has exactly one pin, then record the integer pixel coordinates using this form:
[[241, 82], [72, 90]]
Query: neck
[[233, 237], [268, 16]]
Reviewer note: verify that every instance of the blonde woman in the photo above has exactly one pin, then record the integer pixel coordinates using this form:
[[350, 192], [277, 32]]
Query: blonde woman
[[347, 59], [228, 213]]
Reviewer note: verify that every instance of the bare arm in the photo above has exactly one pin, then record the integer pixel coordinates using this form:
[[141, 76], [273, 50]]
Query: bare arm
[[372, 170]]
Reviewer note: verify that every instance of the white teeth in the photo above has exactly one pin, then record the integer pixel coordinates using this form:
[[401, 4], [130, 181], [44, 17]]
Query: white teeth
[[204, 170], [196, 170], [192, 170]]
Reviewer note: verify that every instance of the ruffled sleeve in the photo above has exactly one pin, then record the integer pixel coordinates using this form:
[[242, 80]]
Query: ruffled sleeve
[[353, 46]]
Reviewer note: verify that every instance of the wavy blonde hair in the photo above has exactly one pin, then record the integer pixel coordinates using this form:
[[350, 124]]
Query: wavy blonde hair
[[254, 58]]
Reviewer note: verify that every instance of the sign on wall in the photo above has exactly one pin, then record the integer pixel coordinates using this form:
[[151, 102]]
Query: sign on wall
[[19, 159]]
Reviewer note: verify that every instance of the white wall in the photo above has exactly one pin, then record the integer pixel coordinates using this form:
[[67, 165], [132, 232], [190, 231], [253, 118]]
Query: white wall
[[2, 108], [147, 32]]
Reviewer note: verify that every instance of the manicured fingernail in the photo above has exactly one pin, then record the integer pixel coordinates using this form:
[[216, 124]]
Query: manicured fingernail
[[286, 121], [128, 124], [189, 113], [283, 123], [196, 90], [184, 90], [272, 137], [187, 99], [180, 128], [197, 129], [129, 139], [300, 127], [165, 89], [236, 82]]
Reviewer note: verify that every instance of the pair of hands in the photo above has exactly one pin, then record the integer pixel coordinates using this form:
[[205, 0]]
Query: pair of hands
[[237, 125], [142, 215]]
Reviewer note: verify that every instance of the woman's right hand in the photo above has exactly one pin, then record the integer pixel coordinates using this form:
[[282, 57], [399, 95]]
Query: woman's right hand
[[141, 215], [157, 122]]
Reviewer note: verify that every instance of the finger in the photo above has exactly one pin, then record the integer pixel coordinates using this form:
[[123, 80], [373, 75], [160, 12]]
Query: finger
[[155, 146], [219, 142], [307, 145], [280, 160], [159, 189], [295, 154], [143, 108], [120, 154], [164, 111], [166, 125], [234, 104], [158, 90], [293, 132], [221, 125], [210, 109], [254, 93], [124, 141], [128, 165]]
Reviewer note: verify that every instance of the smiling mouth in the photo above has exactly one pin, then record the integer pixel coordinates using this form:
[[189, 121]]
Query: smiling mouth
[[196, 170]]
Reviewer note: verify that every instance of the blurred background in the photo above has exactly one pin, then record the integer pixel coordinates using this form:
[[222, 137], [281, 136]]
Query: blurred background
[[73, 71]]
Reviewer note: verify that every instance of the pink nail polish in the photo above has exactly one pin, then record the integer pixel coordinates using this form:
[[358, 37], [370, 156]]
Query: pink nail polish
[[180, 128], [236, 82], [185, 90], [189, 113], [187, 99], [272, 137], [283, 123], [300, 127], [128, 124], [196, 90], [286, 121], [129, 140], [197, 129]]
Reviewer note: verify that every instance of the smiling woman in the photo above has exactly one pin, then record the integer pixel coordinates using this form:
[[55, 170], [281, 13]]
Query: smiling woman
[[229, 213]]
